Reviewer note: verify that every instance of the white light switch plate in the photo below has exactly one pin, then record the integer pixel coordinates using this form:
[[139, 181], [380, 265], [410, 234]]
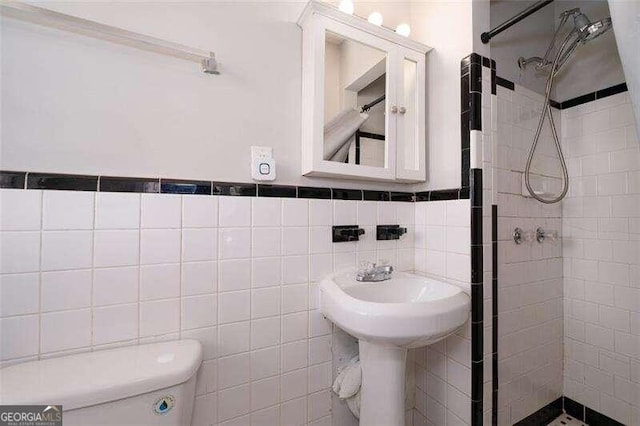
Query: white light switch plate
[[263, 166]]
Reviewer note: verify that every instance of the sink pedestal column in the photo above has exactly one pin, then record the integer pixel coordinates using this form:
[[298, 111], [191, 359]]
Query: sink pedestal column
[[383, 384]]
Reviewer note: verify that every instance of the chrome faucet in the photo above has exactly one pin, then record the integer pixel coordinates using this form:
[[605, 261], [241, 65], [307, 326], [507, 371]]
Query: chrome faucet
[[370, 272]]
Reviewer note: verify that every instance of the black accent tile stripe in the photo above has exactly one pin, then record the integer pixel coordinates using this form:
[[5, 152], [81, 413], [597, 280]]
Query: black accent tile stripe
[[126, 184], [574, 409], [346, 194], [494, 393], [475, 80], [281, 191], [593, 418], [477, 298], [406, 197], [313, 192], [543, 416], [477, 349], [505, 83], [465, 142], [610, 91], [476, 189], [494, 311], [422, 196], [570, 103], [62, 182], [12, 179], [444, 194], [376, 195], [466, 167], [486, 62], [475, 117], [554, 104], [494, 83], [465, 103], [178, 186], [589, 97], [234, 189], [464, 193], [476, 412]]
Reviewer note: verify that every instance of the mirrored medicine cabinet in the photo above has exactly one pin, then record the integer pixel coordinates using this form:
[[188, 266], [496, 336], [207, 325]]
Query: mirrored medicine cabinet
[[363, 99]]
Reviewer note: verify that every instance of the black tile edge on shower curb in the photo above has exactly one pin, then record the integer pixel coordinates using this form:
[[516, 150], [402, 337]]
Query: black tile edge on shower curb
[[572, 408], [543, 416], [71, 182], [471, 186], [494, 316], [578, 100], [477, 298]]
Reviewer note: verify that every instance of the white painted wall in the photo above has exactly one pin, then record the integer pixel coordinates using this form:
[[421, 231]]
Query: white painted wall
[[80, 105], [75, 104], [432, 24], [593, 66], [528, 38]]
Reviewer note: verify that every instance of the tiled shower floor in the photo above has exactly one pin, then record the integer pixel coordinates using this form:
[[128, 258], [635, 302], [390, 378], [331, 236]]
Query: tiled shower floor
[[566, 420]]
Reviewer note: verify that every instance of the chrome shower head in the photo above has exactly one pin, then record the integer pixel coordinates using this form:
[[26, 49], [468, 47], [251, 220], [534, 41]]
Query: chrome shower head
[[588, 30]]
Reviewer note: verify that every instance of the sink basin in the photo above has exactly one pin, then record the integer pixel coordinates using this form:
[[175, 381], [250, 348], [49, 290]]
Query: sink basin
[[407, 311], [388, 318]]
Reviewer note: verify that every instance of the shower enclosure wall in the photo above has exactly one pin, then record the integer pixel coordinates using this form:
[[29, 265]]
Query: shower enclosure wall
[[568, 310]]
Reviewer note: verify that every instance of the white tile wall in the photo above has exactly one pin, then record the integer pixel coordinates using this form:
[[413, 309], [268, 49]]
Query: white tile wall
[[84, 270], [600, 249], [443, 370], [529, 275]]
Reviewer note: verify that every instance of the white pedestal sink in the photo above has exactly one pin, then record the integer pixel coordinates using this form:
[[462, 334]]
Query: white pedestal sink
[[388, 318]]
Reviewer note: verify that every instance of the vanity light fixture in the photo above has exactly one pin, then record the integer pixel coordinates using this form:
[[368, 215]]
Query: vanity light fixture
[[375, 18], [346, 6], [403, 29]]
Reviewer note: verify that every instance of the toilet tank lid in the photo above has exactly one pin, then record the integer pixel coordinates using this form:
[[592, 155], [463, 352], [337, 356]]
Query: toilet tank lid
[[91, 378]]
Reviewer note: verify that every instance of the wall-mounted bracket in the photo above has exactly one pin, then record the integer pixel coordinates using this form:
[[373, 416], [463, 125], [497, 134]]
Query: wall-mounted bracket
[[346, 233], [389, 232]]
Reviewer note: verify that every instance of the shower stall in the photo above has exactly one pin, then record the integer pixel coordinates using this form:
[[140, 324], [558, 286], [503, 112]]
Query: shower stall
[[566, 173]]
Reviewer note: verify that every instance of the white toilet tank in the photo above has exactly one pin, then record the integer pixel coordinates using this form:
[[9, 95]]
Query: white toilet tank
[[151, 384]]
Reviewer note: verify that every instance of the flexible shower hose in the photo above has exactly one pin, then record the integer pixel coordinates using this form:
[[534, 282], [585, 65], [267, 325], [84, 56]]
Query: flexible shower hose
[[546, 110]]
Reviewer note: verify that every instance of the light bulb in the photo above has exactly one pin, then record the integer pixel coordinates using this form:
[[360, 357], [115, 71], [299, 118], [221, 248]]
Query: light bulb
[[346, 6], [375, 18], [403, 30]]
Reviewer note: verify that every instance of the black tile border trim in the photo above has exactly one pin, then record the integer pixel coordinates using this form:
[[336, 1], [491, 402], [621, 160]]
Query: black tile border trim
[[15, 180], [494, 313], [579, 100], [543, 416], [477, 298], [471, 189], [178, 186], [593, 96], [503, 82], [574, 409], [56, 181], [70, 182], [124, 184]]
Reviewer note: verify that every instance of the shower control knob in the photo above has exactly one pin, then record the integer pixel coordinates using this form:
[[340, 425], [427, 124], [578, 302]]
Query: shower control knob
[[403, 110], [394, 109]]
